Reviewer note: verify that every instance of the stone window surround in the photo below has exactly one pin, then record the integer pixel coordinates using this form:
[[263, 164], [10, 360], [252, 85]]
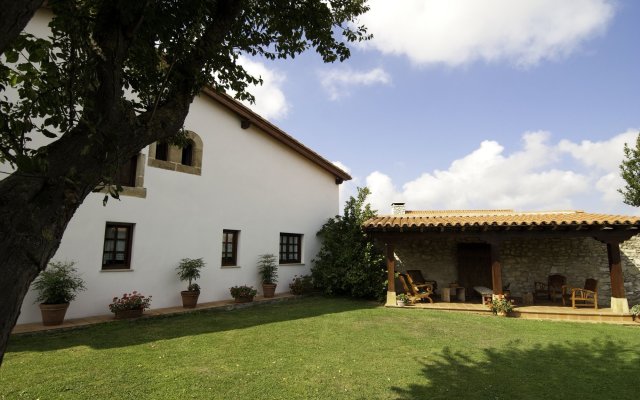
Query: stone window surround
[[139, 190], [173, 162]]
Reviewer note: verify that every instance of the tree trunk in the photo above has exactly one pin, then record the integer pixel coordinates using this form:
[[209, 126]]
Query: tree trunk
[[33, 215], [14, 17], [35, 207]]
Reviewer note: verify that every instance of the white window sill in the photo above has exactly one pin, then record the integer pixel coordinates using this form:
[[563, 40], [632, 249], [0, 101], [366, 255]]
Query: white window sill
[[230, 266], [292, 265], [117, 270]]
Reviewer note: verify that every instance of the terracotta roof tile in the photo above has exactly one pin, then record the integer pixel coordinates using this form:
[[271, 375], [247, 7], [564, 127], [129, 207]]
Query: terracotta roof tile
[[495, 218]]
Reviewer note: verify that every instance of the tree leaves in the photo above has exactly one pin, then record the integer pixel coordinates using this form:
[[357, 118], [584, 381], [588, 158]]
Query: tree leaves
[[348, 263], [630, 170]]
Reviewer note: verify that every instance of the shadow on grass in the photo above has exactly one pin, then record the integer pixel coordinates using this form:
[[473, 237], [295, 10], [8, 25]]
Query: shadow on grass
[[600, 369], [134, 332]]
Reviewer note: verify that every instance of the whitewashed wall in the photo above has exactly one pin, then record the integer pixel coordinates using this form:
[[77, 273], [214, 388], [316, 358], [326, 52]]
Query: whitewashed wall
[[249, 182]]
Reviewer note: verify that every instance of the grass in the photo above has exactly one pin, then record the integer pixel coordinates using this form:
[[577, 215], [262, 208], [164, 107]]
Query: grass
[[319, 348]]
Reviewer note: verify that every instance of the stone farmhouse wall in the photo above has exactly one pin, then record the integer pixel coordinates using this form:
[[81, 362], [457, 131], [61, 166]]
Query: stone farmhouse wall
[[525, 261]]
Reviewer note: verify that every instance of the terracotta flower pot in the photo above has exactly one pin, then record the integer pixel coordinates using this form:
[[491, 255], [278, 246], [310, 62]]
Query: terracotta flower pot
[[244, 299], [53, 314], [189, 298], [126, 314], [269, 289]]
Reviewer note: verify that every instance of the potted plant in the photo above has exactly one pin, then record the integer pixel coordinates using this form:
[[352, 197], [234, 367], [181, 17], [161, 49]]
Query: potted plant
[[402, 300], [501, 306], [57, 286], [301, 285], [189, 270], [268, 270], [635, 312], [243, 294], [131, 305]]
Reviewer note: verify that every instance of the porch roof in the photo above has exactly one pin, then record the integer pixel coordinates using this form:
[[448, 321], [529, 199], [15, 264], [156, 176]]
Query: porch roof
[[500, 220]]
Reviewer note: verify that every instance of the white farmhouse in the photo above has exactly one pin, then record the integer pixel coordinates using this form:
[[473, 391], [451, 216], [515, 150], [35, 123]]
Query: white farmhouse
[[241, 188]]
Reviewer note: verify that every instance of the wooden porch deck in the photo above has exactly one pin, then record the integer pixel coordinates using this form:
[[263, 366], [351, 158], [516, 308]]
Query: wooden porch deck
[[550, 311]]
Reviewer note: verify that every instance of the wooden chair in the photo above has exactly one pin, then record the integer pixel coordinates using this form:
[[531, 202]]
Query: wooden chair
[[418, 279], [552, 289], [413, 292], [587, 296]]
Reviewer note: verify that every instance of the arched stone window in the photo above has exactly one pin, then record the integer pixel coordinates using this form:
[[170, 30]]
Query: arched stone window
[[187, 159]]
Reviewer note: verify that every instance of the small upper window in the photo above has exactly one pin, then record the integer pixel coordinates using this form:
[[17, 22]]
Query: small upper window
[[162, 151], [116, 253], [290, 248], [127, 172], [187, 154], [229, 247]]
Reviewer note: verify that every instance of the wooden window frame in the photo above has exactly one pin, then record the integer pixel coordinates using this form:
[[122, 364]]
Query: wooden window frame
[[129, 238], [230, 261], [286, 240]]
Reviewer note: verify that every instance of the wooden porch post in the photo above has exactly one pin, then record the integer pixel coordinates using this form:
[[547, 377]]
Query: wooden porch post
[[619, 302], [496, 268], [391, 275]]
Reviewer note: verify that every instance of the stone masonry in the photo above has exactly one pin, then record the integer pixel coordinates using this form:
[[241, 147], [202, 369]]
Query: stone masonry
[[525, 261]]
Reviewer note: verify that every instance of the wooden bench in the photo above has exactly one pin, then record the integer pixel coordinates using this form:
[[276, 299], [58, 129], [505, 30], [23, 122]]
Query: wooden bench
[[485, 292]]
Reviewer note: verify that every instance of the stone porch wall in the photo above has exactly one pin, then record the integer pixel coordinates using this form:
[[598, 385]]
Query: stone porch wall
[[525, 261]]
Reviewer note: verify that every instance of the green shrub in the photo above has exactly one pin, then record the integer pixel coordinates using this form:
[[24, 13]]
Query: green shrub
[[348, 263], [58, 284]]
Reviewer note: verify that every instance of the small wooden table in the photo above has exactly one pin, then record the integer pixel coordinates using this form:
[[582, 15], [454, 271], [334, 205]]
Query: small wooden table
[[458, 292]]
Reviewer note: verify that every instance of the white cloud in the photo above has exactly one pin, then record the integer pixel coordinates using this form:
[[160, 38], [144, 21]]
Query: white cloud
[[603, 161], [383, 192], [337, 82], [605, 155], [456, 32], [531, 178], [271, 102]]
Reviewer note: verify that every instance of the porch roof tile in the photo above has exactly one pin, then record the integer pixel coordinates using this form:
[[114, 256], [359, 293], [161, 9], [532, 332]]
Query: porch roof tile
[[497, 218]]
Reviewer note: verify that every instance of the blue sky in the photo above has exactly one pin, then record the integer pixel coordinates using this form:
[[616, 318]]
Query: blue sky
[[473, 103]]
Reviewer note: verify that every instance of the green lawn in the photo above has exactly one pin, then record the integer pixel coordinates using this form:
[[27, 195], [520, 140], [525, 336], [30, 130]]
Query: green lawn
[[319, 348]]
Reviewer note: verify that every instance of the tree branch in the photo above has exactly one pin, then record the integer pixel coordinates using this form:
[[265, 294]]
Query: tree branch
[[14, 17]]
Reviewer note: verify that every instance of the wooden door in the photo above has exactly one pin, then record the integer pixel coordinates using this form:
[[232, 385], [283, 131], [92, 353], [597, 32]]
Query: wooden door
[[474, 266]]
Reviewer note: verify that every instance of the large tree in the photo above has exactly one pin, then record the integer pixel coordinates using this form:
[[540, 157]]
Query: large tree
[[113, 77]]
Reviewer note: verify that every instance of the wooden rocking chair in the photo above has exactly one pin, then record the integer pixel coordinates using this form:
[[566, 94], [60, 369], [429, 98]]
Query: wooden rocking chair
[[413, 292], [552, 289], [587, 296], [420, 282]]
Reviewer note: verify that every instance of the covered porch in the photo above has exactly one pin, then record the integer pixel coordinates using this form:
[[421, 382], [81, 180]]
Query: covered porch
[[545, 311], [501, 249]]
